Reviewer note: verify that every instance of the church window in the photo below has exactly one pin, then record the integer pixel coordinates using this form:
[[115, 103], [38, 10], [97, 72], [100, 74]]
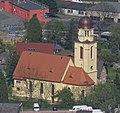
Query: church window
[[18, 89], [91, 67], [41, 88], [81, 52], [52, 99], [91, 52], [52, 92], [83, 93], [30, 86], [86, 33]]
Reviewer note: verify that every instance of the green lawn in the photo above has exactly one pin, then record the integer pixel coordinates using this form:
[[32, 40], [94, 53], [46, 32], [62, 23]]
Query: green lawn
[[112, 73]]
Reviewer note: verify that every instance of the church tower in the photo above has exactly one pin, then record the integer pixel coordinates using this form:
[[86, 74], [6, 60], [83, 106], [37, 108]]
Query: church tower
[[85, 48]]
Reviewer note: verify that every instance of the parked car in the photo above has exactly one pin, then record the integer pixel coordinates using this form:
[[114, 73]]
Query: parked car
[[36, 107], [81, 107]]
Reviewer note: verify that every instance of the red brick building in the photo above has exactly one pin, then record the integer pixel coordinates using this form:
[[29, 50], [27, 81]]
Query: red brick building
[[25, 9]]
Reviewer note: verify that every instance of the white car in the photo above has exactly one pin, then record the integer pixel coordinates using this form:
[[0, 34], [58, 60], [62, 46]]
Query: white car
[[36, 107]]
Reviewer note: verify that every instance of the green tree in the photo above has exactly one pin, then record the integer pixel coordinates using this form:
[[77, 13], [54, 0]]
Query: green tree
[[52, 5], [107, 56], [103, 96], [115, 35], [3, 89], [34, 30], [11, 63], [65, 98], [115, 52], [117, 81], [55, 31], [71, 34]]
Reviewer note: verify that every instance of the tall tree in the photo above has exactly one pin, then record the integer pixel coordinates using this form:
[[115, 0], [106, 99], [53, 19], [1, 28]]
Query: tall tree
[[115, 52], [117, 81], [34, 30], [52, 5], [11, 63], [3, 89], [65, 98], [103, 96], [71, 34], [55, 31], [115, 35]]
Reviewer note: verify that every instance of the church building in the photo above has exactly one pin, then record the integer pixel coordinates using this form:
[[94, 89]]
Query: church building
[[41, 75]]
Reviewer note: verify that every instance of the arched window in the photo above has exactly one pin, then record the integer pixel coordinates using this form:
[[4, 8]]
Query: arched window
[[91, 52], [41, 88], [87, 33], [52, 93], [81, 52], [83, 93]]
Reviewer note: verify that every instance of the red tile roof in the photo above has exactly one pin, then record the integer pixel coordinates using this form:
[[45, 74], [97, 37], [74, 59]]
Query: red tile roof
[[48, 67], [77, 76], [41, 66], [39, 47]]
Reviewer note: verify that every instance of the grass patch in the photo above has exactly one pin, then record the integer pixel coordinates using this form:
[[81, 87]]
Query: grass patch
[[112, 73]]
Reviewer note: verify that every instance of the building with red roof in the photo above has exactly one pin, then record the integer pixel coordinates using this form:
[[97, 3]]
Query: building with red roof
[[25, 9], [37, 47], [41, 75]]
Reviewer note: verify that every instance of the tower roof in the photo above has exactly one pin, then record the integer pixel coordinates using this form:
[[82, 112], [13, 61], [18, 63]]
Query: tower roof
[[85, 22]]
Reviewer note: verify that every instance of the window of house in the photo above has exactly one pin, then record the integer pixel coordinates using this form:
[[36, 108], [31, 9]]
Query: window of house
[[70, 11], [81, 52], [17, 81], [46, 15], [81, 12], [118, 20], [91, 52], [31, 49], [41, 88]]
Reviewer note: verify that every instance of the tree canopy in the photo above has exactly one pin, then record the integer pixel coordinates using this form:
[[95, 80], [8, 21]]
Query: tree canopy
[[65, 98], [11, 63], [117, 81], [55, 31], [3, 89], [34, 30], [71, 34], [115, 35], [103, 96]]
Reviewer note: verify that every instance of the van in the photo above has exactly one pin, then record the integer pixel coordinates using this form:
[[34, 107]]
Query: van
[[81, 107], [36, 107], [97, 111]]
